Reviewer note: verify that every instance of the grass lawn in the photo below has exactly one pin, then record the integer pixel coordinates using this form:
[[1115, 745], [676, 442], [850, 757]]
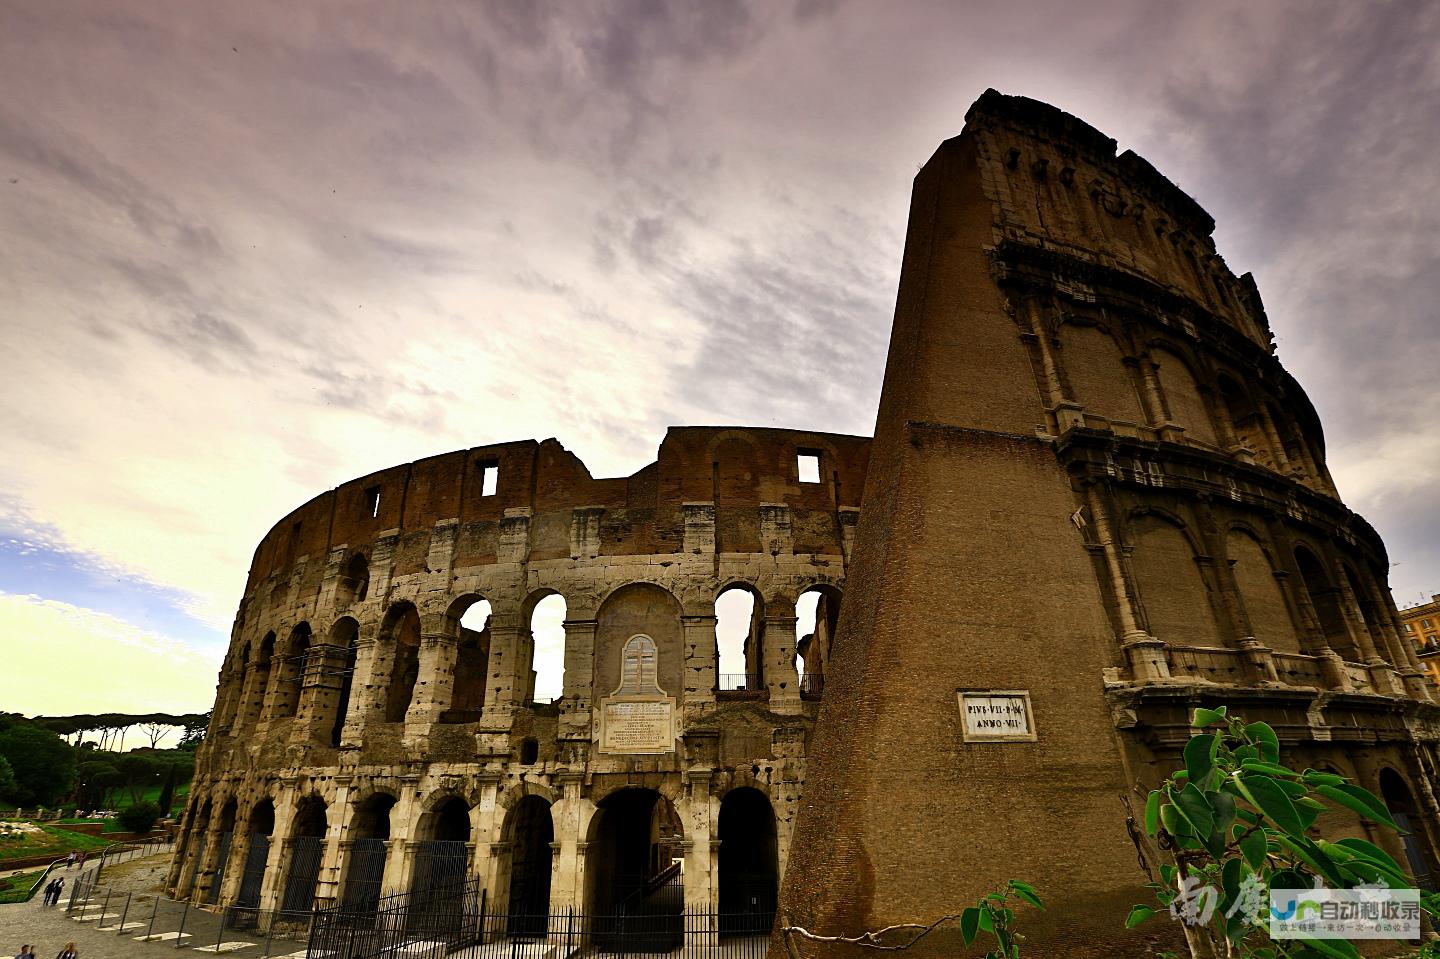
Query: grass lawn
[[17, 888], [48, 842]]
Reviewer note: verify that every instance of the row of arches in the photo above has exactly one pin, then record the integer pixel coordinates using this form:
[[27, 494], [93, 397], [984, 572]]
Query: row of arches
[[270, 681], [635, 844], [1163, 382], [1299, 598]]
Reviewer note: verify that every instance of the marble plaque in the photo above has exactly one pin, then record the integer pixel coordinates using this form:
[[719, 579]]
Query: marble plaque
[[637, 725], [996, 715]]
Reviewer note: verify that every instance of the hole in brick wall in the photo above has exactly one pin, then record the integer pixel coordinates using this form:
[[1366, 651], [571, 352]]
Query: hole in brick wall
[[529, 751], [372, 502], [737, 636], [547, 629], [809, 466], [489, 476]]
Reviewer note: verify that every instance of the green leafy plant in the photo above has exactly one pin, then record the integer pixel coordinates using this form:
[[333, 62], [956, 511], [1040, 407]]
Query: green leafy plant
[[140, 816], [1238, 822], [992, 915]]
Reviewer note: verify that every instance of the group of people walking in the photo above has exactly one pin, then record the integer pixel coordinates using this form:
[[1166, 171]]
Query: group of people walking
[[53, 889], [69, 952]]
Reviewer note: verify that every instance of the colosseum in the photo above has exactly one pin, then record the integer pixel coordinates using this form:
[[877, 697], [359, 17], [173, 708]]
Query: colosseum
[[1095, 500], [376, 729]]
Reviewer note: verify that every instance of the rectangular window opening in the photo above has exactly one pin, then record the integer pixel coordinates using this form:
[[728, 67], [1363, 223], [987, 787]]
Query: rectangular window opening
[[489, 476], [809, 462], [372, 502]]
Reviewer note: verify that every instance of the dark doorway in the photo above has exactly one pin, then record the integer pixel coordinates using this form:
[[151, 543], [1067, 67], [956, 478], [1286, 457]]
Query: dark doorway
[[370, 830], [257, 854], [1397, 796], [748, 862], [531, 833], [636, 886], [307, 849]]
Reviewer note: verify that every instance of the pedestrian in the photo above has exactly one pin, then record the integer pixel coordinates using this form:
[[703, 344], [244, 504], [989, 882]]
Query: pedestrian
[[82, 860], [49, 892], [69, 952], [59, 888], [25, 953], [69, 863]]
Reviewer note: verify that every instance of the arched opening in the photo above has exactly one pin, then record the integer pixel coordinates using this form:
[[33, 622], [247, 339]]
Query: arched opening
[[749, 863], [259, 684], [470, 617], [307, 850], [369, 834], [547, 644], [817, 612], [442, 861], [1245, 423], [1401, 803], [1175, 597], [290, 676], [236, 688], [199, 840], [1325, 600], [1260, 592], [633, 864], [530, 831], [354, 583], [1371, 615], [257, 853], [344, 641], [222, 855], [401, 636], [740, 637], [1290, 442]]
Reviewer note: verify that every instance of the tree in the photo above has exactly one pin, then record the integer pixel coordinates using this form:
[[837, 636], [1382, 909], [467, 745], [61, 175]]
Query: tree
[[1238, 823], [167, 791], [96, 778], [7, 780], [194, 726], [139, 772], [139, 817], [43, 765]]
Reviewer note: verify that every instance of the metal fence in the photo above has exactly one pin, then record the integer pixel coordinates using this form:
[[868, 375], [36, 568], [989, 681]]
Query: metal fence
[[455, 922]]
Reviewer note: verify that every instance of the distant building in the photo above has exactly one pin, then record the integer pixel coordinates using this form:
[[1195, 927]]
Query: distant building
[[1422, 626]]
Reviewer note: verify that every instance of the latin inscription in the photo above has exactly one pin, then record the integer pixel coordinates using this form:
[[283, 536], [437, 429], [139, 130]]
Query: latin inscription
[[638, 726], [996, 715]]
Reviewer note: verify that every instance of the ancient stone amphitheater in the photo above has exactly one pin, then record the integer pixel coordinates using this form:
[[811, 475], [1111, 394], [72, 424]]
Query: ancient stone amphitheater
[[1095, 500], [363, 735]]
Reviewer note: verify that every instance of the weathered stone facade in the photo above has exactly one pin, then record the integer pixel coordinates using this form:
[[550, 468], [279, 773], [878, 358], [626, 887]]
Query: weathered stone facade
[[1091, 481], [357, 721]]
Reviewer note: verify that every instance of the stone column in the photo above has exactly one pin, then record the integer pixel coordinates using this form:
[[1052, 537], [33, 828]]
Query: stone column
[[701, 661], [509, 669], [697, 810], [570, 815], [280, 848], [434, 686], [781, 676], [576, 704], [1144, 654], [1272, 435], [338, 813], [367, 688], [205, 870], [235, 865]]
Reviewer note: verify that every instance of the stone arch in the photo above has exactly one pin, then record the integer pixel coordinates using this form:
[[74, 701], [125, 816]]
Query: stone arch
[[528, 831], [289, 678], [544, 612], [1400, 800], [344, 636], [814, 633], [748, 862], [1096, 370], [634, 839], [1254, 572], [1371, 611], [400, 637], [1183, 399], [467, 621], [739, 637], [1290, 441], [353, 585], [639, 607], [1325, 601], [1173, 592], [368, 832], [1244, 420], [306, 852]]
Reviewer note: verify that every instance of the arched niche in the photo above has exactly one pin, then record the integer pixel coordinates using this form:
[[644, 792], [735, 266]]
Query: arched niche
[[1182, 396], [748, 862], [1172, 591], [1325, 601], [635, 609], [290, 675], [468, 622], [1260, 592], [1097, 373], [739, 638]]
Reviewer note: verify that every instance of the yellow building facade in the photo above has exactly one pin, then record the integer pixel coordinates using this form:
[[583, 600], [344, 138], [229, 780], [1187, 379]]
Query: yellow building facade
[[1422, 627]]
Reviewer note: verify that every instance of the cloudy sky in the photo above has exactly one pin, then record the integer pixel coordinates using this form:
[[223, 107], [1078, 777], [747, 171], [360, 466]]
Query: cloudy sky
[[249, 251]]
